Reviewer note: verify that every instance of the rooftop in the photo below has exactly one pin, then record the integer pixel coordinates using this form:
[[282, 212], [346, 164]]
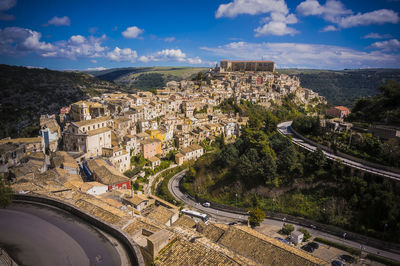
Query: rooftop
[[92, 121], [98, 131], [161, 214], [263, 249]]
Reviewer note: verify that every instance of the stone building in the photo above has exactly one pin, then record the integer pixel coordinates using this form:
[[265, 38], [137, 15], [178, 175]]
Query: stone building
[[88, 136], [228, 66]]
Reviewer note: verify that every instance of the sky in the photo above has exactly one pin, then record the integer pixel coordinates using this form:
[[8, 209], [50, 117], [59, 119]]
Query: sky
[[97, 34]]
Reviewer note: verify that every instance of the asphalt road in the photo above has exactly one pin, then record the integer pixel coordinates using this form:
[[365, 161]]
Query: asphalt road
[[34, 234], [227, 217], [284, 128]]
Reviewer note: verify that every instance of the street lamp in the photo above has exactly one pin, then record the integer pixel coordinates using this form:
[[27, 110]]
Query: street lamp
[[236, 199], [384, 230]]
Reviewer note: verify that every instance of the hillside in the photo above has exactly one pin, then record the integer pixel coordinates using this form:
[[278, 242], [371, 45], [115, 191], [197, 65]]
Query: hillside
[[343, 87], [27, 93], [383, 108], [146, 78], [266, 170]]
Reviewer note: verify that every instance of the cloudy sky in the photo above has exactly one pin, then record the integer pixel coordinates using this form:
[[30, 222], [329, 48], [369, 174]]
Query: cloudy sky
[[96, 34]]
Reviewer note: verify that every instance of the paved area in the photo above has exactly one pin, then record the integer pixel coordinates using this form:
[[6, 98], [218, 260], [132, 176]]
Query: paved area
[[36, 234]]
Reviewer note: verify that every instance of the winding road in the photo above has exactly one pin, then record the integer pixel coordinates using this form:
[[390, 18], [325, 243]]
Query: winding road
[[227, 217], [284, 128], [36, 234]]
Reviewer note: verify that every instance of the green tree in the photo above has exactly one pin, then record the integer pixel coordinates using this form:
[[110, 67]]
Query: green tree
[[256, 216], [271, 122], [287, 229], [316, 160], [5, 194], [229, 155]]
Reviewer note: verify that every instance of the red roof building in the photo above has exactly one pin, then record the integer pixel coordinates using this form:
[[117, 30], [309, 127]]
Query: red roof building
[[338, 111]]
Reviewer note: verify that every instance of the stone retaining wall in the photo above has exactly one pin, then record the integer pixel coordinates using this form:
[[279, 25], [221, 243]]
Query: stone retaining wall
[[130, 246]]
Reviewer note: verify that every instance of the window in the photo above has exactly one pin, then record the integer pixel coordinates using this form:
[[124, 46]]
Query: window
[[100, 138], [88, 127]]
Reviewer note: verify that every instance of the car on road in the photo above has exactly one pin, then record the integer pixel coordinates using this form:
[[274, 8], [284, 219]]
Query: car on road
[[313, 226], [347, 258], [206, 204], [337, 263], [232, 223]]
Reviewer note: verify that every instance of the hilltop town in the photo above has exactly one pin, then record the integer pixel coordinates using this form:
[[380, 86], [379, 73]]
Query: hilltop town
[[105, 154]]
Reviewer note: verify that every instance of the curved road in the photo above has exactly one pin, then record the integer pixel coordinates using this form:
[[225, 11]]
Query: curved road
[[35, 234], [284, 128], [226, 217]]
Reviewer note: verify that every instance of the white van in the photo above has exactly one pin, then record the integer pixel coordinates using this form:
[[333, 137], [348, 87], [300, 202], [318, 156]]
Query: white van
[[206, 204]]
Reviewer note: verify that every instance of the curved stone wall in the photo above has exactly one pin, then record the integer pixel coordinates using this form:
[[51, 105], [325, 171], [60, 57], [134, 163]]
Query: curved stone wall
[[131, 247]]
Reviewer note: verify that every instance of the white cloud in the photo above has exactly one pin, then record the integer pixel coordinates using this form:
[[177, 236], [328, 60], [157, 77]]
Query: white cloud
[[16, 41], [335, 12], [251, 7], [59, 21], [169, 39], [277, 25], [172, 55], [378, 17], [33, 42], [274, 24], [132, 32], [374, 35], [96, 68], [4, 6], [275, 28], [388, 46], [306, 55], [77, 39], [79, 47], [330, 11], [165, 55], [125, 54], [329, 28], [21, 41]]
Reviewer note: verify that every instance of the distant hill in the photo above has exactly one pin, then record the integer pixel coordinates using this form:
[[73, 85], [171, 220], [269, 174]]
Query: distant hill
[[343, 87], [146, 78], [27, 93]]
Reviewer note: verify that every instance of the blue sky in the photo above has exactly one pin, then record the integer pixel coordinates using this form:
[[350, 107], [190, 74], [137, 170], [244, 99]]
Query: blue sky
[[95, 34]]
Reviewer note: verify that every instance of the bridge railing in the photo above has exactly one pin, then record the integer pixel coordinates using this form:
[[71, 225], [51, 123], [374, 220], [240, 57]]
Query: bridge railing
[[346, 156]]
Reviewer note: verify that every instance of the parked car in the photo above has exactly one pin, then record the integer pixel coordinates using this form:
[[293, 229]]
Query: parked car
[[232, 223], [337, 263], [347, 258], [314, 245], [206, 204], [313, 226], [307, 248]]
